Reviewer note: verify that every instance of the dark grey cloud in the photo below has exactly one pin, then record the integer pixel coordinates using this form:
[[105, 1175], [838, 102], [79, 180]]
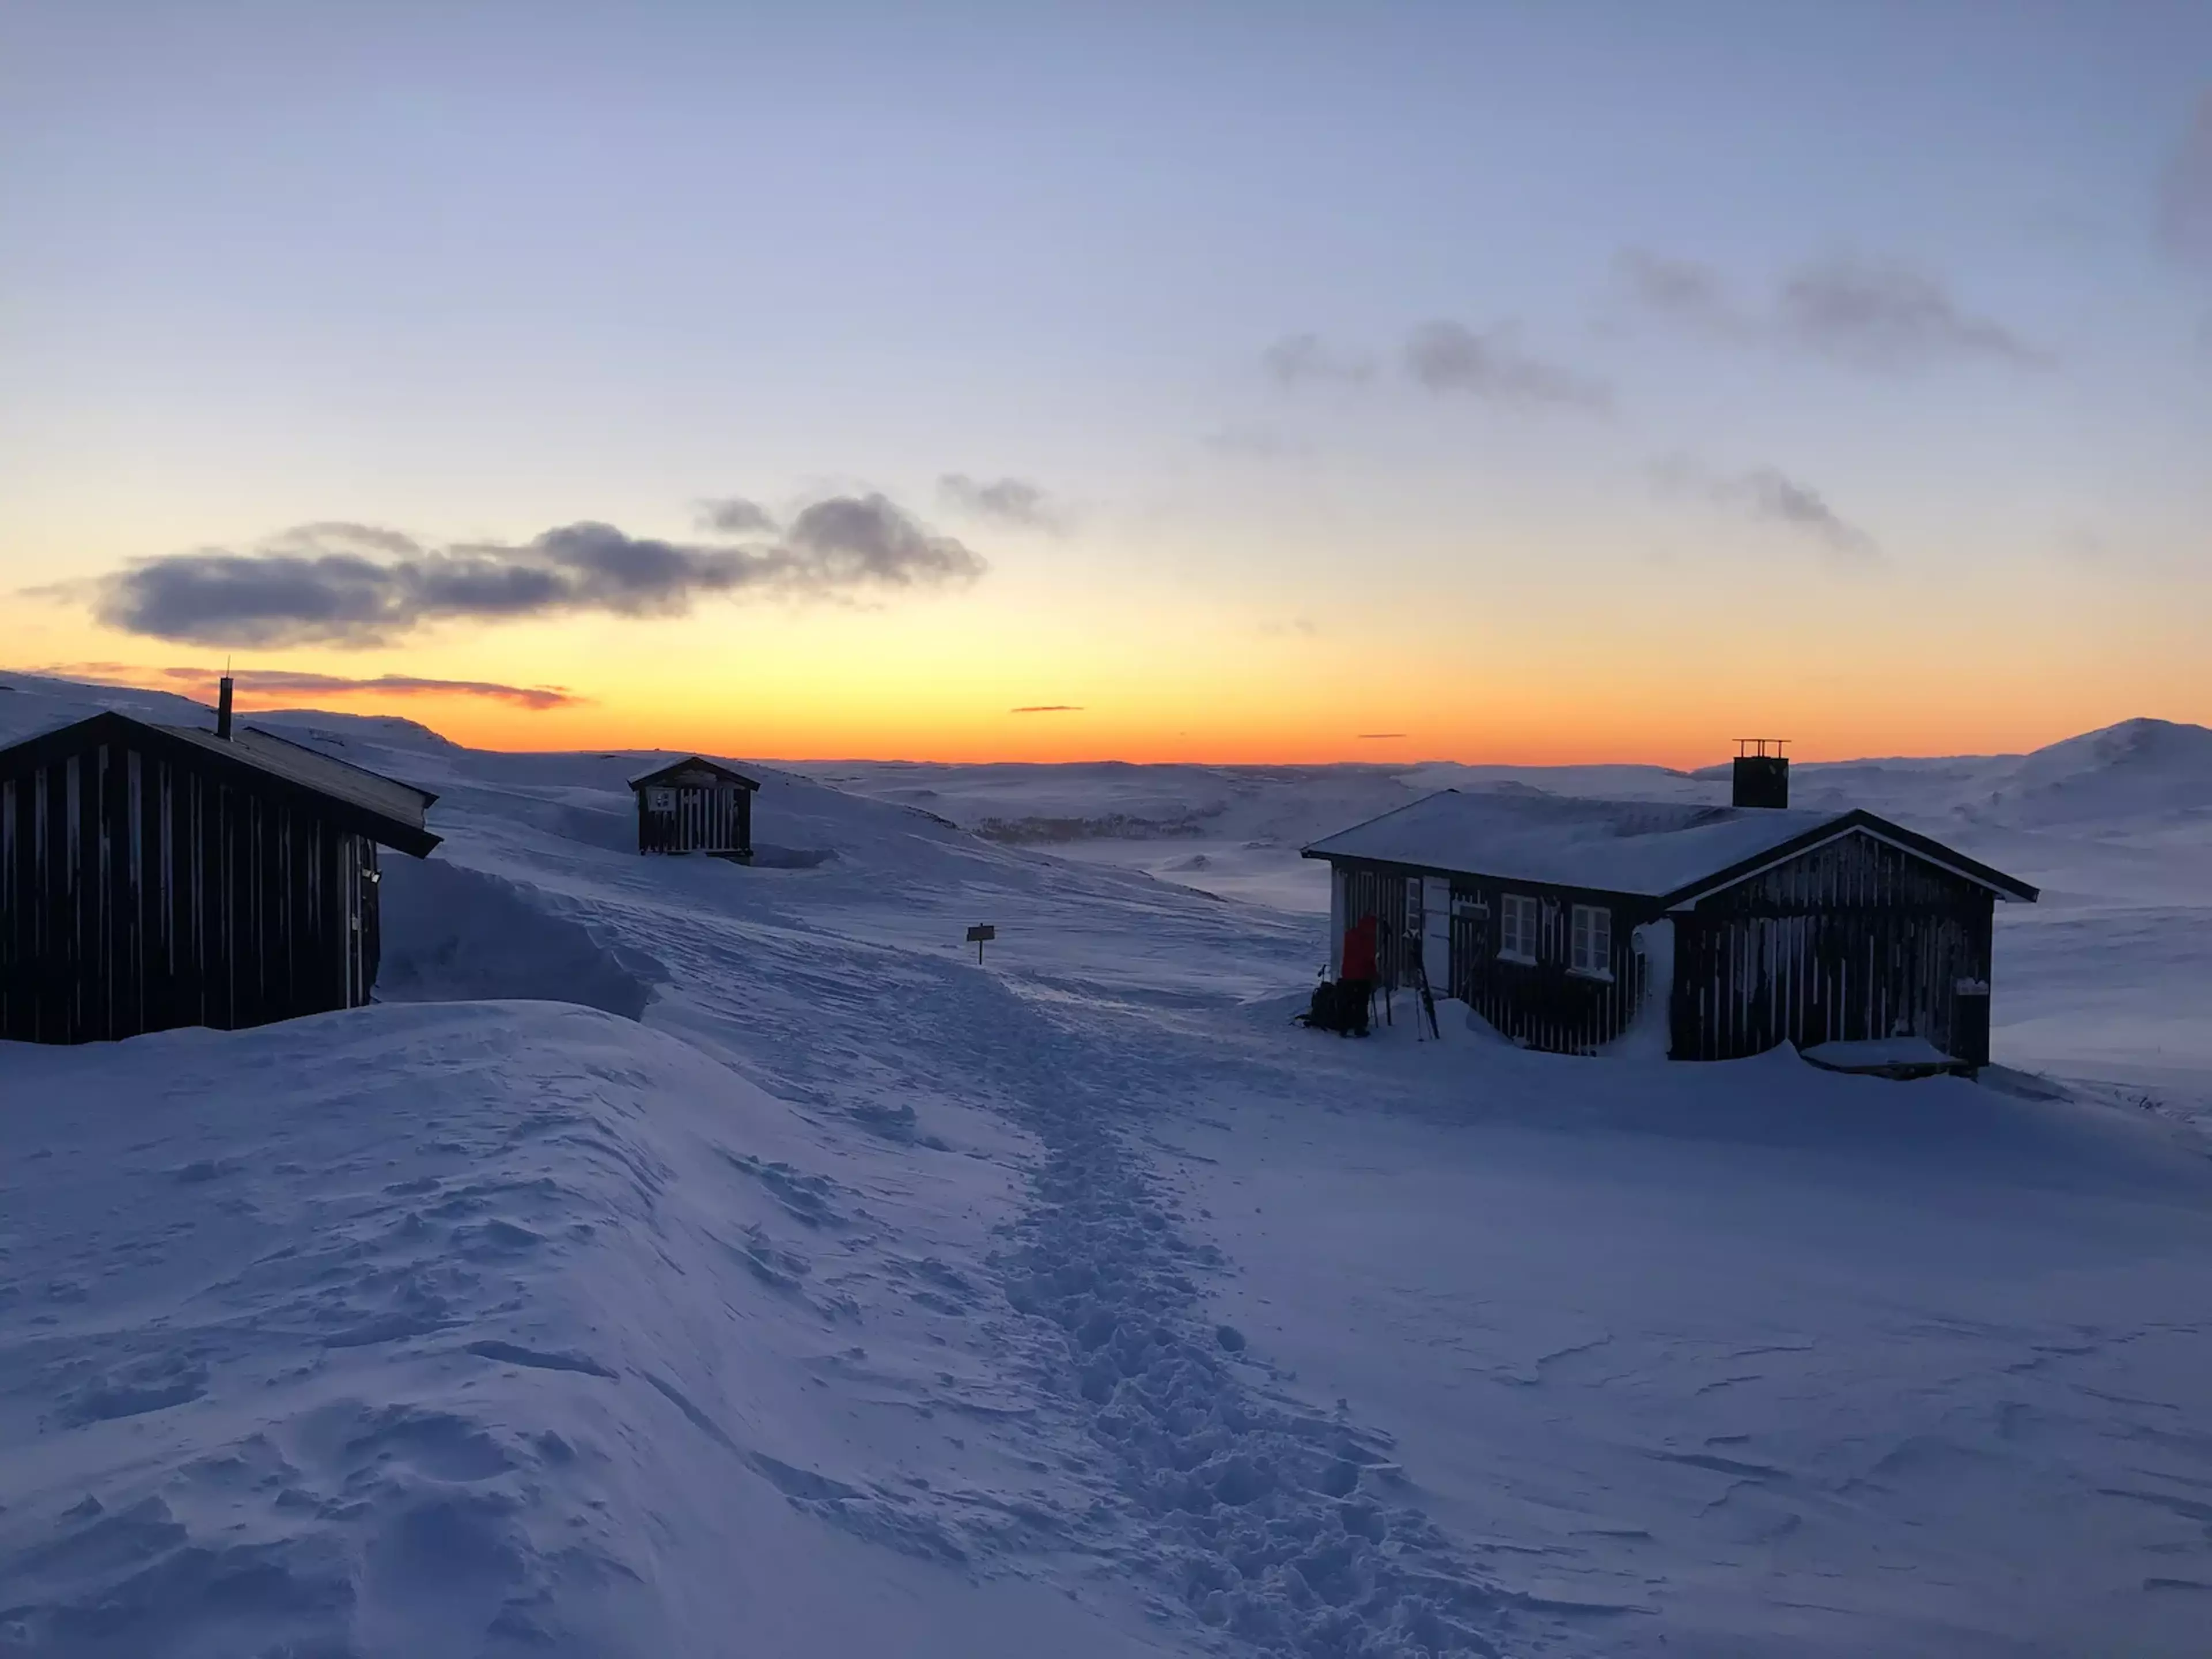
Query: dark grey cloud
[[1302, 359], [1768, 496], [1450, 358], [864, 540], [1888, 317], [1005, 500], [1048, 708], [1879, 316], [2185, 196], [1682, 291], [317, 584], [734, 515]]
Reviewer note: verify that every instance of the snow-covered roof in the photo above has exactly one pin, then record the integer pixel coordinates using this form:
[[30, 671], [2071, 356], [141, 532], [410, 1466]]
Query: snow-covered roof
[[1650, 849], [385, 809], [325, 773], [688, 763]]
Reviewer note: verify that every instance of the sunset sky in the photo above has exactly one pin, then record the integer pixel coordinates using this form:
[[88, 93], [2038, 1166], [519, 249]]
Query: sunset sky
[[1235, 382]]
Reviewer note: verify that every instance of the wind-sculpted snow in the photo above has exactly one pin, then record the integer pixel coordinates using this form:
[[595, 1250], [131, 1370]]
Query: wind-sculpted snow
[[846, 1296], [451, 933]]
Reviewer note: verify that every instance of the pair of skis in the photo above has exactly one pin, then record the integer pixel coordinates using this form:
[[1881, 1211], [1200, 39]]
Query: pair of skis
[[1420, 984]]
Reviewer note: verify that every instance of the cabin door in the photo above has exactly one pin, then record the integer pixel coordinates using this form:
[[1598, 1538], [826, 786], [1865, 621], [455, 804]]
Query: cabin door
[[1970, 1022], [1470, 944], [1436, 933]]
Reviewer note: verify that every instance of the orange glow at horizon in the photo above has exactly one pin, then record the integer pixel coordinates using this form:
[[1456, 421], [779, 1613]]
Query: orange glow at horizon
[[1667, 677], [1571, 737]]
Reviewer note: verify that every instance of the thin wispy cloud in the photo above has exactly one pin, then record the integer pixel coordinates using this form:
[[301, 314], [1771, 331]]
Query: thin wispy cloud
[[1886, 317], [1449, 358], [279, 682], [1015, 502], [1682, 291], [1879, 316], [1048, 708], [1441, 356], [357, 585], [1305, 359], [1376, 737], [285, 682], [1765, 495]]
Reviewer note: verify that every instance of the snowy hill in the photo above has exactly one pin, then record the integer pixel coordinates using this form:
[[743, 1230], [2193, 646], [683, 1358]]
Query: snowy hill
[[2140, 770], [1235, 831], [696, 1260]]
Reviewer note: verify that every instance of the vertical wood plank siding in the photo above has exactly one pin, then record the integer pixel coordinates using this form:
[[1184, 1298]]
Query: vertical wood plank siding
[[1849, 942], [705, 818], [1853, 940], [137, 894], [1381, 893], [1545, 1005]]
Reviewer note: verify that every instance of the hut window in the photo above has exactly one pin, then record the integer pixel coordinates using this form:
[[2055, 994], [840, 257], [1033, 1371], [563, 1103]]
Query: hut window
[[1591, 941], [660, 801], [1518, 927]]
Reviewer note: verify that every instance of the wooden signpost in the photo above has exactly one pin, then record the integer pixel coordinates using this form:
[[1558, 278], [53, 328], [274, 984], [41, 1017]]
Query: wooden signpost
[[978, 933]]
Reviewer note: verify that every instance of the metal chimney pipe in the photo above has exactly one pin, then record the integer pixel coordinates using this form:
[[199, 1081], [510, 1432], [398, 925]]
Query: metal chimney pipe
[[222, 709]]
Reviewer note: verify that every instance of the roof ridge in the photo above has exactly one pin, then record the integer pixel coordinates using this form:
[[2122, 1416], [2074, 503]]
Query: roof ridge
[[392, 822]]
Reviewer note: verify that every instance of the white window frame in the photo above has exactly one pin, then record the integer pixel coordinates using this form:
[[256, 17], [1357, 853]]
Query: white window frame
[[659, 797], [1589, 942], [1520, 927]]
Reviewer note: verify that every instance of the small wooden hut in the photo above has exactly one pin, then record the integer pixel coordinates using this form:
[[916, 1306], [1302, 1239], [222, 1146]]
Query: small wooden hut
[[695, 805], [154, 876], [1737, 928]]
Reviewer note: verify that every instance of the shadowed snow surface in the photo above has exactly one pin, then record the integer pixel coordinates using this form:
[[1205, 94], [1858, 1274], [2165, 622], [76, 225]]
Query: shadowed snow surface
[[698, 1260]]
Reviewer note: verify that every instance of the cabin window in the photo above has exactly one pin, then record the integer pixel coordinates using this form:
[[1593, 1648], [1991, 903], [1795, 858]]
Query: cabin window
[[660, 801], [1518, 921], [1591, 941]]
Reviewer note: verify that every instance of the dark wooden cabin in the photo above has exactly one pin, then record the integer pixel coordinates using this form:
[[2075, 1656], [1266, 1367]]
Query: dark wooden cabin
[[1560, 921], [694, 806], [154, 875]]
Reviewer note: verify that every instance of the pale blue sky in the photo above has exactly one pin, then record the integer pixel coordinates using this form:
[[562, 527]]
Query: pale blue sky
[[479, 270]]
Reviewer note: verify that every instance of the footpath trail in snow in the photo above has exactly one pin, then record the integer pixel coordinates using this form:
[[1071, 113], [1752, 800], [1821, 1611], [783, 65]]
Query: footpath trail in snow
[[1243, 1513], [1114, 1025]]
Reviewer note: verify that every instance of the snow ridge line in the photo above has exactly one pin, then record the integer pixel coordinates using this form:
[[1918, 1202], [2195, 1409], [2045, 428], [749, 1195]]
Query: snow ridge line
[[1267, 1525]]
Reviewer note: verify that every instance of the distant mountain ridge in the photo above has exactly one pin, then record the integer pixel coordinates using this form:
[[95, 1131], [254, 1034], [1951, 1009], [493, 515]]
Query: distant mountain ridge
[[2142, 771]]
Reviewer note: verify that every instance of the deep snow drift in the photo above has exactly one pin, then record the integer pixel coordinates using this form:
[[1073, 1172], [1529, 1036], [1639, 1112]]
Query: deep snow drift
[[781, 1281]]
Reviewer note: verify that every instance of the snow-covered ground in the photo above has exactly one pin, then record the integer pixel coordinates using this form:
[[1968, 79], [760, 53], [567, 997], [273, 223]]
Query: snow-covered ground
[[697, 1260], [2107, 978]]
